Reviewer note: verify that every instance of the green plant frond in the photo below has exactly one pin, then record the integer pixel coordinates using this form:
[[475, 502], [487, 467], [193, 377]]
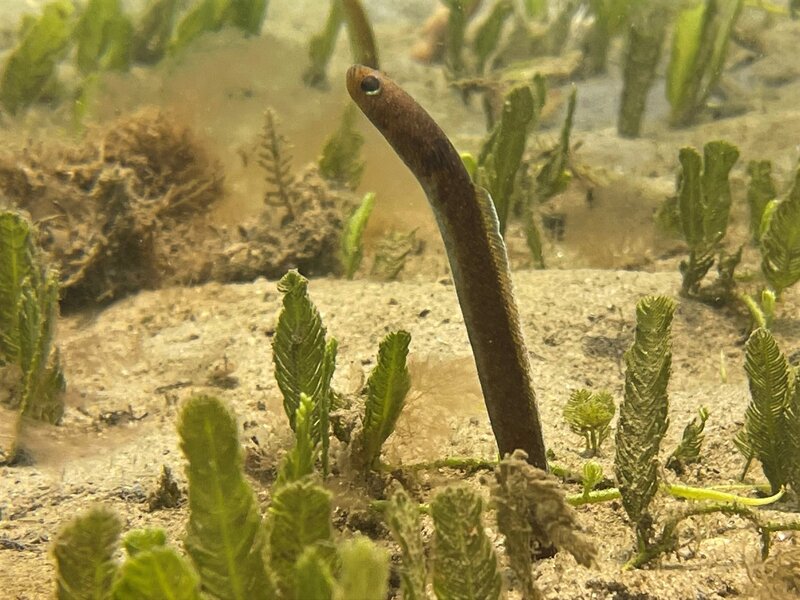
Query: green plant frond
[[760, 191], [224, 536], [591, 475], [31, 66], [387, 387], [103, 36], [403, 519], [501, 154], [793, 431], [718, 160], [488, 33], [152, 31], [554, 176], [765, 420], [84, 552], [156, 574], [780, 243], [139, 540], [17, 266], [299, 462], [321, 46], [298, 347], [589, 415], [300, 516], [643, 414], [248, 15], [464, 562], [340, 161], [688, 451], [312, 576], [206, 15], [352, 236], [364, 570]]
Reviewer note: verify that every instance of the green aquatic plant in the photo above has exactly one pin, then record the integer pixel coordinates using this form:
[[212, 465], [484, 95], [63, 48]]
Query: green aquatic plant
[[30, 68], [643, 414], [488, 33], [299, 461], [340, 161], [224, 535], [703, 207], [699, 46], [403, 518], [322, 44], [610, 19], [304, 359], [352, 249], [213, 15], [391, 254], [84, 553], [275, 158], [771, 431], [589, 415], [688, 450], [387, 388], [232, 553], [460, 12], [760, 192], [780, 240], [501, 154], [646, 33], [464, 564], [28, 315], [103, 36], [153, 30]]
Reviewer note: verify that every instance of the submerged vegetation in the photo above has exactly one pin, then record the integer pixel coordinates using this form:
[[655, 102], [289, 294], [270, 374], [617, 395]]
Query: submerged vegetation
[[289, 519]]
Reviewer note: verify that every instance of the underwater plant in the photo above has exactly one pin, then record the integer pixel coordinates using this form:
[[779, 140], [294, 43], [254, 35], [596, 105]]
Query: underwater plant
[[352, 249], [760, 192], [688, 450], [780, 240], [304, 366], [340, 161], [30, 67], [589, 415], [103, 37], [28, 314], [771, 430], [699, 46], [322, 44], [391, 253], [213, 15], [232, 551], [275, 159], [701, 212], [610, 19]]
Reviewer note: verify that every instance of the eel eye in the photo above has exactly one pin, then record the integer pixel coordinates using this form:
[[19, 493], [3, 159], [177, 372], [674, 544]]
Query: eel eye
[[371, 85]]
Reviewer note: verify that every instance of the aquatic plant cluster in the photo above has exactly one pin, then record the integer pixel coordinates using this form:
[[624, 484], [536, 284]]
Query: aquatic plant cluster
[[231, 549]]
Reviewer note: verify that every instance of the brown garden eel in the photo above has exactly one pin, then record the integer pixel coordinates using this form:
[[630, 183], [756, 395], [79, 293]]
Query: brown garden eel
[[477, 255]]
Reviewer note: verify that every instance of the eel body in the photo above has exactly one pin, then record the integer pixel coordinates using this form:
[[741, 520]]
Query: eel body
[[476, 252]]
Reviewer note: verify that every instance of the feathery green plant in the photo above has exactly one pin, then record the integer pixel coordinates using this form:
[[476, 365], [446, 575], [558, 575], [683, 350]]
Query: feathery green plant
[[403, 519], [340, 161], [589, 415], [532, 513], [84, 552], [501, 153], [304, 360], [387, 387], [103, 37], [688, 450], [555, 174], [139, 540], [152, 32], [158, 572], [643, 414], [299, 461], [610, 18], [213, 15], [760, 192], [275, 159], [28, 314], [591, 475], [704, 202], [391, 254], [699, 47], [771, 431], [780, 241], [299, 518], [487, 35], [464, 562], [364, 571], [30, 67], [459, 15], [224, 536], [321, 46], [352, 245]]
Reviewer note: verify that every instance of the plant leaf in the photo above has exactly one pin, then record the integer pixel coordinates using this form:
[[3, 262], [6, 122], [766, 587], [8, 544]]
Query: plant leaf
[[300, 517], [31, 65], [688, 451], [365, 570], [643, 414], [103, 35], [488, 33], [299, 462], [760, 192], [139, 540], [352, 244], [84, 553], [780, 244], [765, 420], [340, 161], [159, 573], [313, 577], [464, 562], [403, 519], [224, 537], [387, 387]]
